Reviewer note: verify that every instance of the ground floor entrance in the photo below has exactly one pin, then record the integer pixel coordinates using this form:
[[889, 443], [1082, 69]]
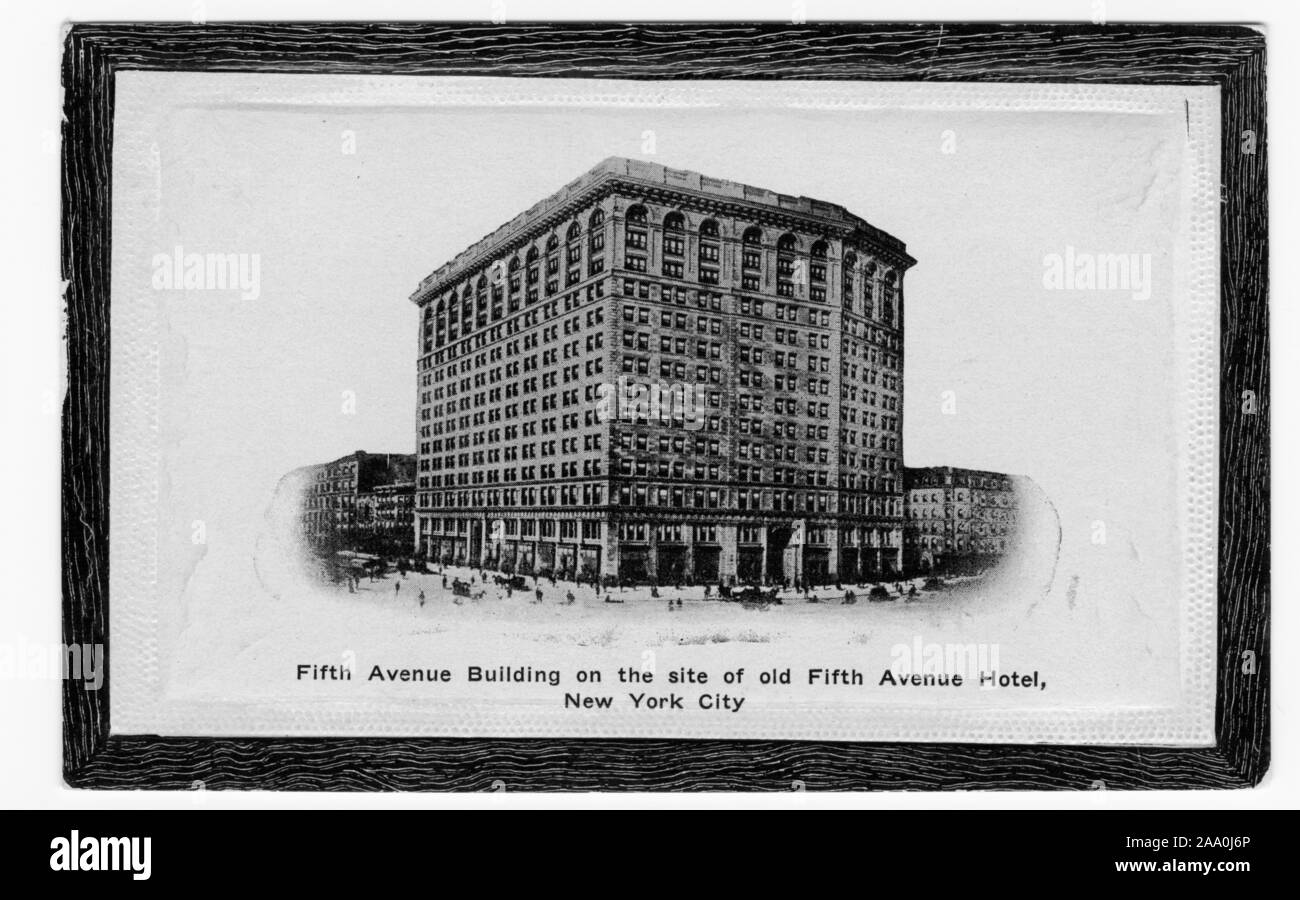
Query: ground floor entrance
[[655, 549]]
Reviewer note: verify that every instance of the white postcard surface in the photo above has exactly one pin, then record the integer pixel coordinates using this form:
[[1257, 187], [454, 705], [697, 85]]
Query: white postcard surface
[[509, 407]]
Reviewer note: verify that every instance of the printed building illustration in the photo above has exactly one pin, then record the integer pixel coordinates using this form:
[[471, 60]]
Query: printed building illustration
[[958, 520], [782, 316]]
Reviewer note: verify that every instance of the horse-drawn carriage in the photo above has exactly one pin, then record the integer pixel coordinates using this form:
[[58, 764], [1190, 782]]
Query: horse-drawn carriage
[[756, 598]]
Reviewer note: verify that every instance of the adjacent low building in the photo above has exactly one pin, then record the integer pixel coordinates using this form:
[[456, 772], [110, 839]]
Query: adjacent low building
[[958, 520], [362, 501], [387, 514]]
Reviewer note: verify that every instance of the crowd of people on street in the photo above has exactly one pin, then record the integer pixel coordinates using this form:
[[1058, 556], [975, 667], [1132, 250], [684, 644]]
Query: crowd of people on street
[[614, 590]]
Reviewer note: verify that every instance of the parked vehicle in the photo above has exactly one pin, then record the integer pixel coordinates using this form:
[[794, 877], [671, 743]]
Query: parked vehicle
[[754, 598]]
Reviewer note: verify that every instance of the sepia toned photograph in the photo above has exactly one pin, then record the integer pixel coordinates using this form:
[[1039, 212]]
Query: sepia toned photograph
[[493, 407]]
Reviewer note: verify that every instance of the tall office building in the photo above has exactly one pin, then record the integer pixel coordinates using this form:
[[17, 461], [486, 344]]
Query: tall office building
[[774, 324]]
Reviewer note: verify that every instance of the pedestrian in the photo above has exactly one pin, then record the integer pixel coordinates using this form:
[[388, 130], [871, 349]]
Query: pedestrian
[[421, 597], [538, 595], [568, 598], [397, 588]]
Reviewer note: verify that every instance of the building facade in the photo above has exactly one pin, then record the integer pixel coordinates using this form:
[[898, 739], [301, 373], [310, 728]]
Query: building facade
[[958, 520], [780, 320], [341, 499], [387, 513]]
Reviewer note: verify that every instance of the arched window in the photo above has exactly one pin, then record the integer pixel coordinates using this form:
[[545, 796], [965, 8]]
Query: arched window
[[846, 287], [710, 252], [481, 302], [887, 298], [674, 245], [467, 310], [552, 265], [788, 267], [751, 259], [532, 274], [635, 239], [596, 242], [497, 288], [440, 321], [573, 256], [514, 283], [869, 291], [817, 272]]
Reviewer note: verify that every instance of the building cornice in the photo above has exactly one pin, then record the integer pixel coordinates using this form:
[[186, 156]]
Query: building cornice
[[670, 187]]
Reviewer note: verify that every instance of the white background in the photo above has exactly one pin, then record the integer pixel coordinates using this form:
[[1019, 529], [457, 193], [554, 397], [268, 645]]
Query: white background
[[30, 753]]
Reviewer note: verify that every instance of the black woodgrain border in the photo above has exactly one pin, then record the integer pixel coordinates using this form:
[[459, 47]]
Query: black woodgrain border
[[1228, 56]]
